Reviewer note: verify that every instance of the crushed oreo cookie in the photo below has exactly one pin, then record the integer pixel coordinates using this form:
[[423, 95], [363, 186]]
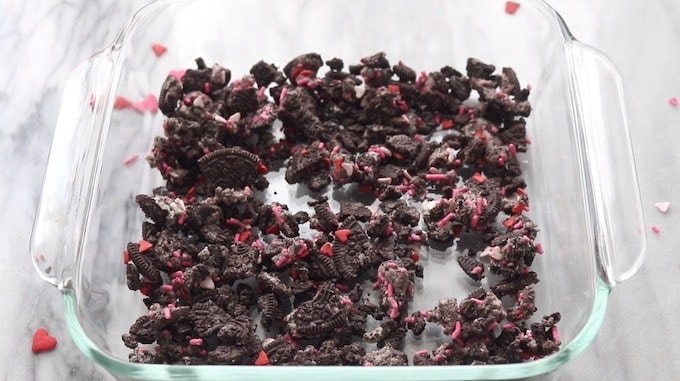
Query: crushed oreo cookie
[[218, 263]]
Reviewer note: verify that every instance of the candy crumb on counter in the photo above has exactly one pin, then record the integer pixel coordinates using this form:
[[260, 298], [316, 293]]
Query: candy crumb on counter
[[43, 341], [131, 159], [511, 7], [655, 229], [159, 49], [673, 101], [663, 206]]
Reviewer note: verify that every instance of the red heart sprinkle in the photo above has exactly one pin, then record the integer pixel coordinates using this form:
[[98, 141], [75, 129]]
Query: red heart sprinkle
[[42, 341], [343, 234], [511, 7], [327, 249], [159, 49], [121, 103], [479, 177], [144, 245], [262, 358]]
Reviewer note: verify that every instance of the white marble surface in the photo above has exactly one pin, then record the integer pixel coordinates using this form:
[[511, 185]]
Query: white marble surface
[[42, 41]]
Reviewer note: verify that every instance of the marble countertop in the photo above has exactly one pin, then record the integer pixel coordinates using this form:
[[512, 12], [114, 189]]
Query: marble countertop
[[41, 42]]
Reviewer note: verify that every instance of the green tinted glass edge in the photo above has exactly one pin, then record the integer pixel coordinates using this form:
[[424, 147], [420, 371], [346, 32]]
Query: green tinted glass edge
[[330, 373]]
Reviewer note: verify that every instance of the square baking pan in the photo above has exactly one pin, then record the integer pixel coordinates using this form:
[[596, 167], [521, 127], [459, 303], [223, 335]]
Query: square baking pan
[[579, 168]]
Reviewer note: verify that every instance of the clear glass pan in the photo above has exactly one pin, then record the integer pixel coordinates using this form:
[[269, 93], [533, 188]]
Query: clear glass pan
[[580, 169]]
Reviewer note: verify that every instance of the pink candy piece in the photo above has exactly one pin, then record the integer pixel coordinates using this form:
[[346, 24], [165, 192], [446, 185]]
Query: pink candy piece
[[445, 220], [655, 229], [158, 49], [556, 335], [196, 342], [150, 103], [130, 159], [456, 330], [673, 101]]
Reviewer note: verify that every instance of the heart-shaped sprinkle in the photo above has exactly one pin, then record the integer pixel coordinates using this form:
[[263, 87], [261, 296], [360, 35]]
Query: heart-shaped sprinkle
[[327, 249], [511, 7], [42, 341], [262, 358], [158, 49], [663, 206], [343, 234], [144, 245]]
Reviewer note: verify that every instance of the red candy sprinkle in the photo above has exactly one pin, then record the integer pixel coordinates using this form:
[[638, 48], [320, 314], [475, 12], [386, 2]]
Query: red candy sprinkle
[[262, 358], [144, 245], [673, 101], [511, 7], [327, 248], [146, 289], [343, 234], [478, 177], [244, 235], [126, 257], [273, 229], [519, 208], [415, 256], [158, 49], [261, 168], [121, 103], [43, 341], [509, 222], [446, 124], [393, 89]]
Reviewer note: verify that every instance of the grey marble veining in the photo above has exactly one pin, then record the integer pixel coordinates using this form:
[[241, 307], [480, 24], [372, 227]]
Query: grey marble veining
[[41, 42]]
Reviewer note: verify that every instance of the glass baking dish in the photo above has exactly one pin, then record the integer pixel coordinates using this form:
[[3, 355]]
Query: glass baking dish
[[579, 169]]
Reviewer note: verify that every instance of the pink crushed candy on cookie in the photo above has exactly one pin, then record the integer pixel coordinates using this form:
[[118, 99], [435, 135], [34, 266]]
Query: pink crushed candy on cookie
[[150, 103], [655, 229], [43, 341], [159, 49], [673, 101], [511, 7], [131, 159]]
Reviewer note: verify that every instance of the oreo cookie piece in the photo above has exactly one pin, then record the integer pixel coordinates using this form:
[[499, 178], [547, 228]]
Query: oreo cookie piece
[[144, 265], [321, 316], [229, 168], [473, 267]]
